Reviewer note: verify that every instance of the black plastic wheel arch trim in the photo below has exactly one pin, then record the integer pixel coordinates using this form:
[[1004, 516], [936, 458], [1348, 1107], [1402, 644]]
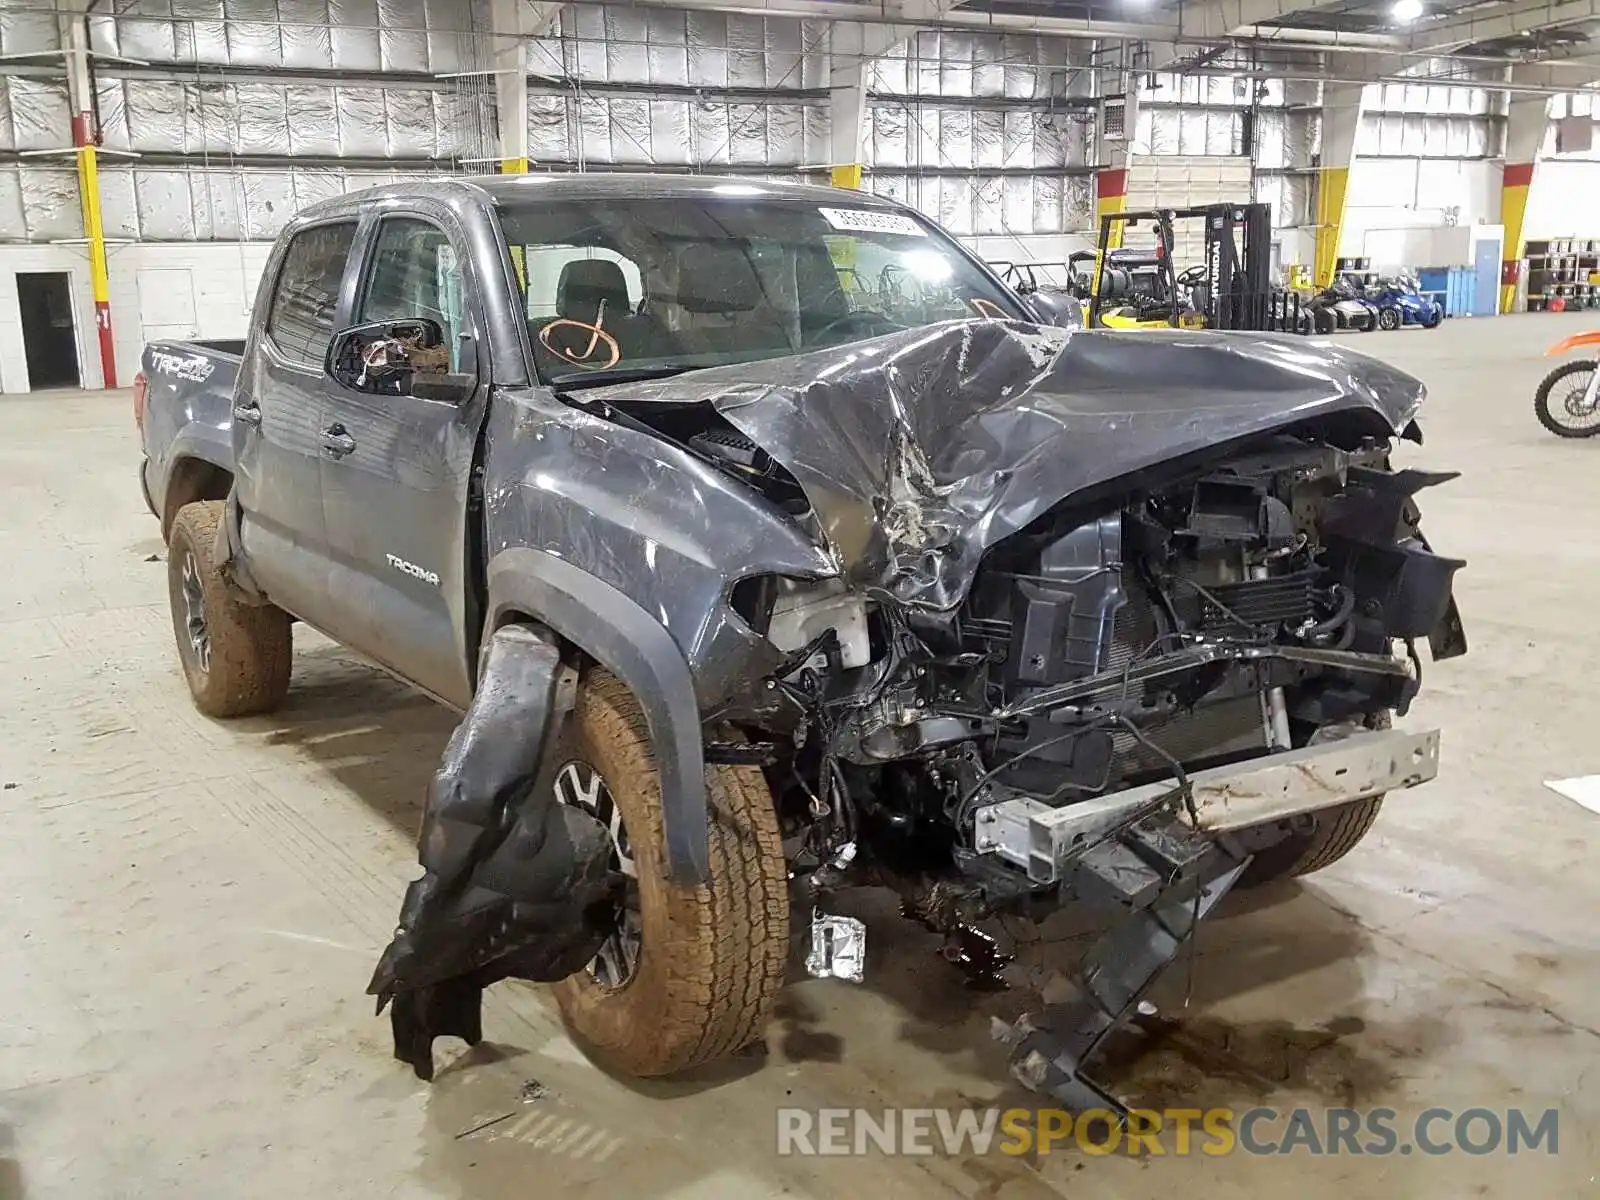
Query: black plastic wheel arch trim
[[635, 647]]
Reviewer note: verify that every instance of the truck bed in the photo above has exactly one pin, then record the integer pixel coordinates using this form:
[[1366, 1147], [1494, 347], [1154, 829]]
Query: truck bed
[[187, 416]]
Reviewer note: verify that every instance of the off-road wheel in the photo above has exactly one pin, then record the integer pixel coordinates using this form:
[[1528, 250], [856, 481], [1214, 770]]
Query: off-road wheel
[[1334, 833], [1389, 319], [1559, 402], [235, 656], [692, 971]]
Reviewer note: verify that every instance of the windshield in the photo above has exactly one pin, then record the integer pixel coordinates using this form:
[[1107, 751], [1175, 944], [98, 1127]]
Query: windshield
[[624, 286]]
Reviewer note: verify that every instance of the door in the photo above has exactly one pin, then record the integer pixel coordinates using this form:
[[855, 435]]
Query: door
[[49, 339], [277, 422], [1486, 277], [395, 496]]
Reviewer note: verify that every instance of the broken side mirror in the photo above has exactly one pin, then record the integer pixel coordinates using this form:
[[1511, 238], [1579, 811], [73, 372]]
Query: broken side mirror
[[1053, 307], [408, 357]]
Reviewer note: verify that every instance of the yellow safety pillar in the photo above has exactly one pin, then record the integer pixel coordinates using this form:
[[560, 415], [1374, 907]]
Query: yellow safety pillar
[[1525, 130], [1341, 119]]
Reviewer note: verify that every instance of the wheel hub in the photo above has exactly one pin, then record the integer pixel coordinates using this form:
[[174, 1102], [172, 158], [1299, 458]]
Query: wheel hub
[[579, 785], [194, 614], [1577, 402]]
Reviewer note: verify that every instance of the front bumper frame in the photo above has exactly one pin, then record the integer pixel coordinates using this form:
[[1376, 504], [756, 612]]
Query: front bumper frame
[[1047, 842]]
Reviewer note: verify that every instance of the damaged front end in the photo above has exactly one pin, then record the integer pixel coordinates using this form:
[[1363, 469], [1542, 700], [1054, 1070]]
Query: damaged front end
[[1109, 617], [514, 885]]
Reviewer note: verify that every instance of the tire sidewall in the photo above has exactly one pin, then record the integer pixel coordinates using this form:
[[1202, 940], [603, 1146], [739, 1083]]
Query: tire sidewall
[[1389, 319], [180, 548], [609, 1019], [1541, 401]]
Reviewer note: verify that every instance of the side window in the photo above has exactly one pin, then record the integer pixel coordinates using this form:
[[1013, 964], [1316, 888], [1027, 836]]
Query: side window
[[300, 319], [415, 274]]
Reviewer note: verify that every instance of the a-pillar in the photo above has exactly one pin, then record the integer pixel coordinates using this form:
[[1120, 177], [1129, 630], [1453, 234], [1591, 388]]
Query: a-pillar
[[1525, 130], [1341, 119], [852, 47]]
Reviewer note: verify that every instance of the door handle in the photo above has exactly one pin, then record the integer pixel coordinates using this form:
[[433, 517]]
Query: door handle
[[247, 414], [337, 441]]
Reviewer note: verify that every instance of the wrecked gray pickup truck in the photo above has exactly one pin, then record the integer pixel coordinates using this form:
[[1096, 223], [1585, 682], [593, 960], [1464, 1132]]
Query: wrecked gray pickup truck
[[769, 547]]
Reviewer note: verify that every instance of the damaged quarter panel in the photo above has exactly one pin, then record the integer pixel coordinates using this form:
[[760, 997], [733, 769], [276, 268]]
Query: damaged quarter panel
[[919, 450], [646, 518]]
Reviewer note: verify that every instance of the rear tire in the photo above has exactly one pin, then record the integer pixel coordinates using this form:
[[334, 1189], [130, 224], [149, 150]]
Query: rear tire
[[236, 657], [711, 956], [1548, 415], [1336, 832]]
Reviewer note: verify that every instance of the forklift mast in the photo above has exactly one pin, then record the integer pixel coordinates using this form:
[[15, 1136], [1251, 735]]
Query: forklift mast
[[1236, 289], [1238, 262]]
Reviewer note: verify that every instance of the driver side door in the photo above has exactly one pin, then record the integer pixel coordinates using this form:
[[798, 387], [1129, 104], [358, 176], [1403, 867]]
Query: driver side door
[[395, 490]]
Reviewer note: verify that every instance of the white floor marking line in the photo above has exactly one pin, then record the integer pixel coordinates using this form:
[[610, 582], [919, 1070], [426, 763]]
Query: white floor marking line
[[1585, 789]]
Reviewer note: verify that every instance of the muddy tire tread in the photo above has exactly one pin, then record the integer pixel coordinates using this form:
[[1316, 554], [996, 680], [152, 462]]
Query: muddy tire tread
[[721, 966], [252, 648]]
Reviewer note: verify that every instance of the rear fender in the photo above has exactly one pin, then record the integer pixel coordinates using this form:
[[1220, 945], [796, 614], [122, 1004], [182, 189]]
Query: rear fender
[[1568, 344]]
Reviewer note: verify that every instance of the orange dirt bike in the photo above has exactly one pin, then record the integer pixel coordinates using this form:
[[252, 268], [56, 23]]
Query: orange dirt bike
[[1568, 400]]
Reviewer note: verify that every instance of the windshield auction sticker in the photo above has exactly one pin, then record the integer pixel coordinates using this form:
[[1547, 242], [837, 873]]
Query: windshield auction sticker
[[866, 220]]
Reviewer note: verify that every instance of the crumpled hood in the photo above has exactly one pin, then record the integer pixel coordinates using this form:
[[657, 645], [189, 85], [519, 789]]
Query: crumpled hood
[[921, 449]]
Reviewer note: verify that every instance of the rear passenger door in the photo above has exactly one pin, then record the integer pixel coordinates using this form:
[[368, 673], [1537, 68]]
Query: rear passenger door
[[277, 419], [396, 502]]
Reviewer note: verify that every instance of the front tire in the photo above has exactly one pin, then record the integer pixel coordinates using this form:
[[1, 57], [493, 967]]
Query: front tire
[[236, 657], [1561, 418], [1334, 833], [1324, 321], [707, 961], [1389, 319]]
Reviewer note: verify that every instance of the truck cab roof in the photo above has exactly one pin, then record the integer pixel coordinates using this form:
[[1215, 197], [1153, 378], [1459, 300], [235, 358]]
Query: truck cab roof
[[498, 189]]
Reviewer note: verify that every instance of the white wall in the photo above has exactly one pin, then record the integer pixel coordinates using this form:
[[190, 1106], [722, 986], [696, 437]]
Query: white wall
[[1561, 202], [1416, 193], [13, 354], [158, 290]]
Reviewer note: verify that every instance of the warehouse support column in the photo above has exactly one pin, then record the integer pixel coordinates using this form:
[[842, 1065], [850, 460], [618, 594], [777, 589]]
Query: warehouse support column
[[852, 49], [80, 93], [512, 21], [1525, 130], [1115, 158], [1341, 118]]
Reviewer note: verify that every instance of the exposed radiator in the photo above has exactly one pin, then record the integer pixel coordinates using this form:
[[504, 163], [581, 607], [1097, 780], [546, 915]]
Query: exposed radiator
[[1228, 727]]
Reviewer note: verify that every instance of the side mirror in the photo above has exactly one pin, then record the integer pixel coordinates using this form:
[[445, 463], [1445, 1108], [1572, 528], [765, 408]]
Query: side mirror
[[397, 358], [1053, 307]]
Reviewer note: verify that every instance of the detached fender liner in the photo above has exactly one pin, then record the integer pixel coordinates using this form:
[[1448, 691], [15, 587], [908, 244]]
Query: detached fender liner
[[634, 647], [514, 884]]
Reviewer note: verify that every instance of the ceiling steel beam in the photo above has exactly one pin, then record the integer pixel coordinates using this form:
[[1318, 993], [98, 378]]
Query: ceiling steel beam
[[902, 18], [1504, 22]]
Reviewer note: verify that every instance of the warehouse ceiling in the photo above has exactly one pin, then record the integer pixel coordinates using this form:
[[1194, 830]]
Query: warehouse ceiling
[[1413, 37]]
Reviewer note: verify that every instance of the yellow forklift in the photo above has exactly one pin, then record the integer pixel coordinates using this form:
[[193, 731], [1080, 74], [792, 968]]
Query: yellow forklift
[[1230, 288]]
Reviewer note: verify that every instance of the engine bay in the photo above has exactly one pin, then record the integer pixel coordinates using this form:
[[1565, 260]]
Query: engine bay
[[1270, 600]]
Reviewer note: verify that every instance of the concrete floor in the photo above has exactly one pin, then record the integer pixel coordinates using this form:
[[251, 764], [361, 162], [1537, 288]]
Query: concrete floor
[[191, 909]]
